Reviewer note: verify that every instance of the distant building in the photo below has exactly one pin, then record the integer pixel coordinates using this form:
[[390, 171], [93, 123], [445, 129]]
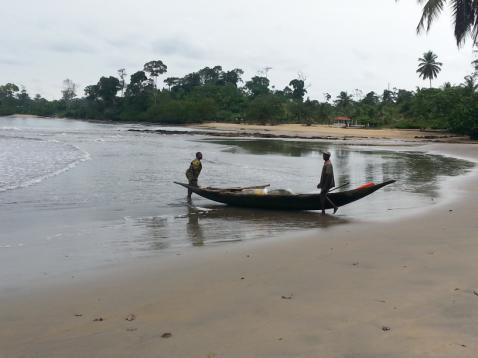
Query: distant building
[[342, 121]]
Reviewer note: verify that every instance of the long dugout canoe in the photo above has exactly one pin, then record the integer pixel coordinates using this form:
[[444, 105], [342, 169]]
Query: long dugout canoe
[[282, 201]]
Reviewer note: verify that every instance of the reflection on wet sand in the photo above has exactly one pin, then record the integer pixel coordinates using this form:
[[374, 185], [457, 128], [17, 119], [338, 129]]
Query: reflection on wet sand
[[278, 219], [214, 224], [193, 227], [207, 224]]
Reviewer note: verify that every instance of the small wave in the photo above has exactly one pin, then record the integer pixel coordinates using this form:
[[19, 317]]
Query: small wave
[[10, 129], [84, 156], [21, 137], [44, 177]]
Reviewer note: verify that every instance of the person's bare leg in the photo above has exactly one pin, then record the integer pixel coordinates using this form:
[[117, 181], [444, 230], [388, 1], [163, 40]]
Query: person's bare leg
[[332, 203], [192, 182], [334, 206]]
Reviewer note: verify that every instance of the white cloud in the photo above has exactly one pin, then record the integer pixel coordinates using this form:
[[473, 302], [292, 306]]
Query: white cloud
[[339, 45]]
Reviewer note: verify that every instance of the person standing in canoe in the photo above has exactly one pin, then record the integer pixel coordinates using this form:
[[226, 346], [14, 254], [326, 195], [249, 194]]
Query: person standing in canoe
[[327, 182], [193, 172]]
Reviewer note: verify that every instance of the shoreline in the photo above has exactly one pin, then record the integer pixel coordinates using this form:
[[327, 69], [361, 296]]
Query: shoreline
[[328, 132], [400, 288], [290, 131], [313, 132]]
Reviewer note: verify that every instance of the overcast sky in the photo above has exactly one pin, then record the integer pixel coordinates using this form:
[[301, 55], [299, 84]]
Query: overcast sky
[[338, 45]]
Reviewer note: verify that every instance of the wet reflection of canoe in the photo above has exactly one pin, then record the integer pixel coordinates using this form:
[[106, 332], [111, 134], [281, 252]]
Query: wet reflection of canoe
[[282, 201], [267, 219]]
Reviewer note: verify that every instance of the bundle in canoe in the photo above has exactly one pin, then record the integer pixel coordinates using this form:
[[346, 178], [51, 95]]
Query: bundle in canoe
[[253, 197]]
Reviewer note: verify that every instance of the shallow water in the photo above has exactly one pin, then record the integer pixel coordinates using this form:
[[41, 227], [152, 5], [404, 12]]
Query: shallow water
[[77, 195]]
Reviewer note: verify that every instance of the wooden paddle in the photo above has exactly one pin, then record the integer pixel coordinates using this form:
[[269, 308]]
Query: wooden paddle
[[337, 187]]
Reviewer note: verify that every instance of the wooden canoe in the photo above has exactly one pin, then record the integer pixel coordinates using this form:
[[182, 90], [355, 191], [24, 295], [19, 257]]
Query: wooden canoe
[[238, 197]]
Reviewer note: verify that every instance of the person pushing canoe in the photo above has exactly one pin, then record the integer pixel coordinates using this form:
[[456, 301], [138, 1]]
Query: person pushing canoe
[[327, 182], [193, 172]]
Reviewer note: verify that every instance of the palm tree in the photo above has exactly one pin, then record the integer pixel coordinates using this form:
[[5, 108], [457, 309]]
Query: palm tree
[[465, 17], [343, 100], [428, 67], [470, 83]]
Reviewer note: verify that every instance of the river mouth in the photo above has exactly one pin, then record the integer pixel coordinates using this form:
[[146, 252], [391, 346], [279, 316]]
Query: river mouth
[[121, 202]]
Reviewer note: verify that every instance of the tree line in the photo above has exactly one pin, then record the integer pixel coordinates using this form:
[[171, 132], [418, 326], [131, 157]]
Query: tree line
[[216, 94]]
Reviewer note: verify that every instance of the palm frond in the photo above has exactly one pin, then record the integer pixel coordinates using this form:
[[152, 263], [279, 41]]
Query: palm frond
[[474, 31], [431, 11], [464, 18]]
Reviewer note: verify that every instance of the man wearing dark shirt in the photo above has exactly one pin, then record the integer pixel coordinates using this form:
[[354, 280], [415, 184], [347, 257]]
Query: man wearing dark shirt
[[327, 182]]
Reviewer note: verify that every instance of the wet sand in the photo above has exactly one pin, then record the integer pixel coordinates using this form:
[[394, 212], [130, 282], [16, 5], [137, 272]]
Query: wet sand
[[325, 131], [405, 288]]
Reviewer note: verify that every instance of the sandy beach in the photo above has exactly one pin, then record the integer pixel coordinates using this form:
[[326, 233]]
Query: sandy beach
[[325, 131], [401, 288]]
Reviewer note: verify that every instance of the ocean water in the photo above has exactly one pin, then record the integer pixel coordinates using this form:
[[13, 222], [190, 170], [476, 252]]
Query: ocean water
[[77, 195], [26, 161]]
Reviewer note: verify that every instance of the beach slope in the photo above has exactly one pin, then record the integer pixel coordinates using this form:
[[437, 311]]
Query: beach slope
[[405, 288]]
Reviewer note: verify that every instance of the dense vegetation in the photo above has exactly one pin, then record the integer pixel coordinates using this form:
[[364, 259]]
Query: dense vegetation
[[221, 95]]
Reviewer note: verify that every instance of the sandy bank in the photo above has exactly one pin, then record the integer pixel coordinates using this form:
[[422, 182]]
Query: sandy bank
[[330, 131], [390, 289]]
